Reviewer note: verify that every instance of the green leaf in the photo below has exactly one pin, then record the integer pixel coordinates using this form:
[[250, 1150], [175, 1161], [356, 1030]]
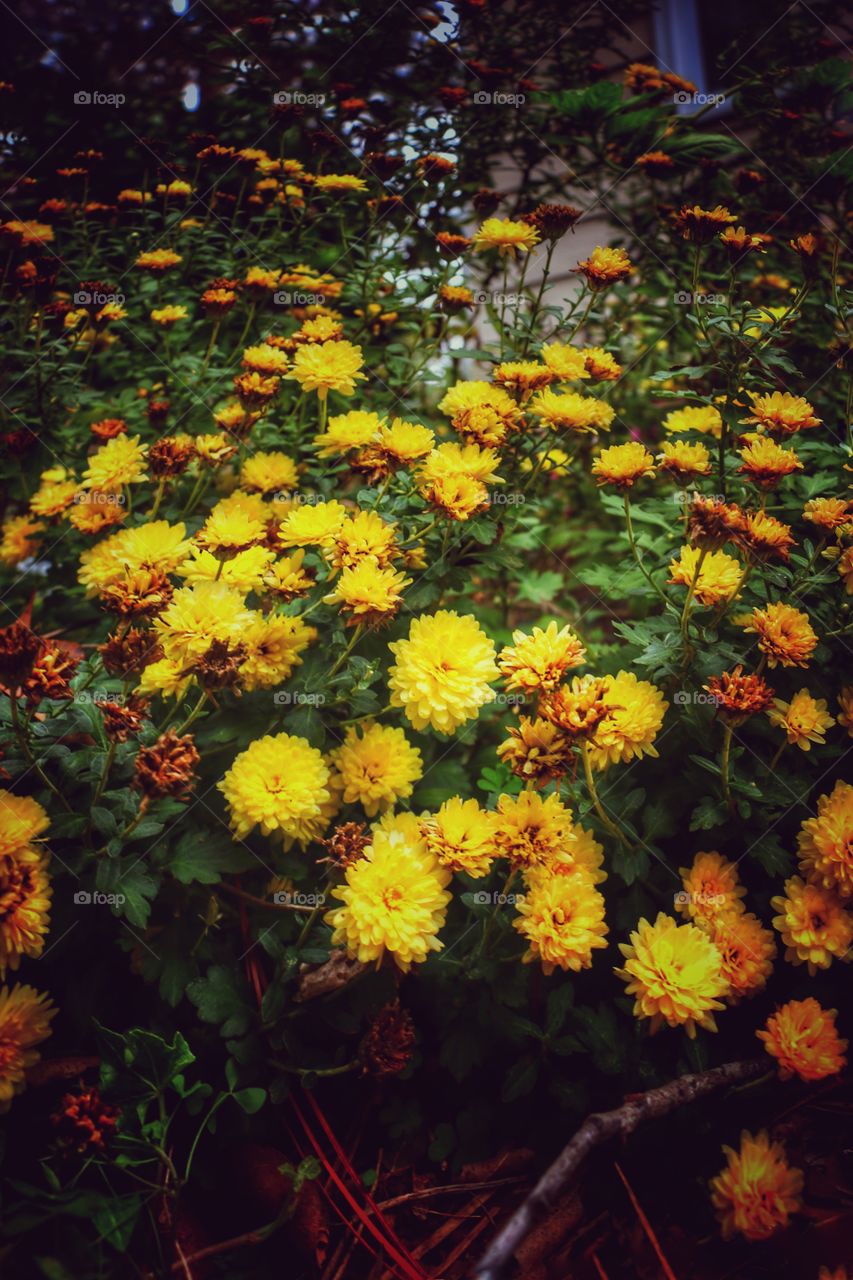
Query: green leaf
[[220, 997], [520, 1079], [250, 1100], [204, 859]]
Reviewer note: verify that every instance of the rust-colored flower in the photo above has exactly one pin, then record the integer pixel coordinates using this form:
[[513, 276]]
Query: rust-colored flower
[[739, 696], [765, 538], [84, 1122], [386, 1048], [552, 221], [576, 709], [123, 720], [167, 767], [19, 649], [255, 391], [536, 750], [128, 654], [170, 456], [139, 593], [216, 303], [452, 246], [219, 667], [701, 225], [51, 674], [347, 843], [712, 523]]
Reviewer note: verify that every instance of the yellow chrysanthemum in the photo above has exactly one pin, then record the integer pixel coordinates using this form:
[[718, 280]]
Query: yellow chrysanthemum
[[394, 899], [766, 463], [815, 927], [747, 950], [165, 678], [472, 395], [711, 887], [674, 973], [683, 460], [196, 616], [346, 431], [719, 576], [19, 540], [269, 473], [264, 359], [826, 842], [167, 316], [369, 592], [442, 671], [781, 413], [566, 363], [562, 919], [158, 260], [403, 443], [694, 417], [507, 236], [24, 906], [845, 702], [338, 182], [57, 490], [524, 377], [538, 662], [804, 719], [155, 545], [363, 536], [287, 578], [328, 366], [231, 528], [22, 820], [312, 524], [119, 462], [784, 634], [273, 644], [533, 830], [623, 465], [279, 784], [634, 712], [25, 1016], [757, 1191], [461, 835], [601, 365], [375, 767], [570, 411], [604, 267], [803, 1038], [828, 513]]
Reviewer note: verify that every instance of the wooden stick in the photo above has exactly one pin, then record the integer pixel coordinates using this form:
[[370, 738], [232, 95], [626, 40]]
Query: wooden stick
[[598, 1128]]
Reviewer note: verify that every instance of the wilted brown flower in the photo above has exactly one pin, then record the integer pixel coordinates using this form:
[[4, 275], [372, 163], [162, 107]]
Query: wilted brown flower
[[536, 750], [123, 719], [144, 591], [128, 654], [254, 390], [170, 456], [387, 1045], [84, 1121], [738, 696], [19, 648], [577, 708], [51, 673], [219, 667], [166, 768], [712, 523], [452, 246], [346, 843], [552, 221]]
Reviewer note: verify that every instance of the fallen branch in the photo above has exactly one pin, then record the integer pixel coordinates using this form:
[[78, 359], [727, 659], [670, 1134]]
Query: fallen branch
[[598, 1128]]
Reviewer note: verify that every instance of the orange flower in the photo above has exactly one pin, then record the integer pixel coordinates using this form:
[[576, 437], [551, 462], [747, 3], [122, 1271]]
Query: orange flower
[[803, 1037], [757, 1191]]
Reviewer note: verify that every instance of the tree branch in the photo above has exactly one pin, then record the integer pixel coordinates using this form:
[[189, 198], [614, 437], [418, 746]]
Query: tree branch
[[598, 1128]]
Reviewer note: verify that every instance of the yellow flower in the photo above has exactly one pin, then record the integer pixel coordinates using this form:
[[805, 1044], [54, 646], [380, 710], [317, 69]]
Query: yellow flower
[[57, 490], [524, 376], [471, 395], [287, 578], [25, 1016], [815, 927], [394, 899], [747, 950], [467, 460], [845, 568], [604, 267], [536, 751], [675, 974], [375, 768], [601, 365], [455, 495], [22, 820], [623, 465], [565, 362], [540, 660], [155, 545], [764, 537], [767, 463], [533, 830], [684, 460], [279, 784], [167, 316], [826, 842], [845, 702], [165, 678], [719, 577], [508, 237], [245, 572], [700, 225], [158, 260], [264, 359], [694, 417], [757, 1191], [24, 906], [319, 329], [339, 182], [634, 712], [784, 634], [442, 671], [781, 413], [215, 447], [803, 1038], [562, 919], [18, 541], [828, 513], [231, 527], [570, 411], [328, 366], [368, 592], [711, 887], [119, 462], [804, 719], [273, 644], [196, 616], [461, 835], [404, 442], [346, 431], [363, 536], [312, 524], [269, 473]]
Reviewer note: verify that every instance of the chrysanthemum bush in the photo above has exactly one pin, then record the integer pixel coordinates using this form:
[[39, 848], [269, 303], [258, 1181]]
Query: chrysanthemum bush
[[400, 637]]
